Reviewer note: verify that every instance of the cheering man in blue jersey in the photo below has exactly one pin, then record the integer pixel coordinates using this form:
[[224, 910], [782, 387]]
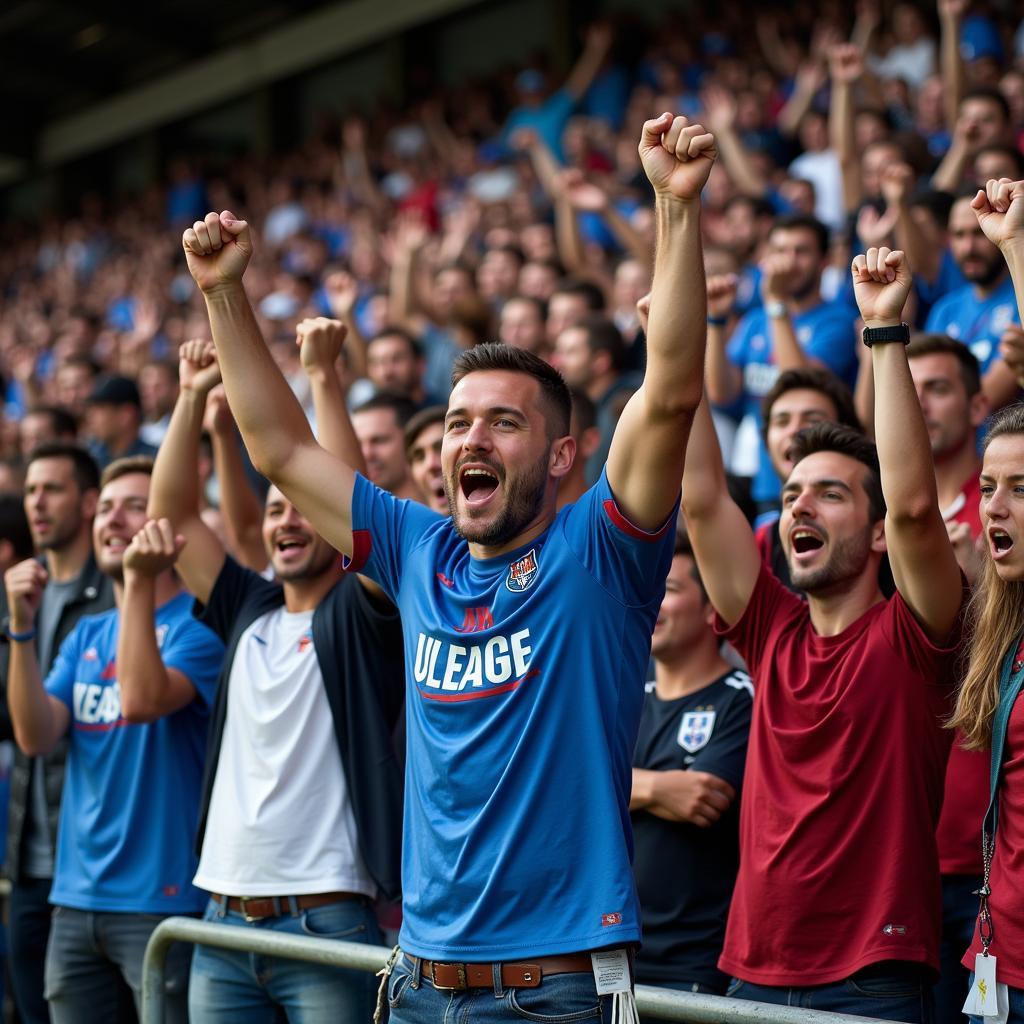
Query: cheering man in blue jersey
[[527, 632]]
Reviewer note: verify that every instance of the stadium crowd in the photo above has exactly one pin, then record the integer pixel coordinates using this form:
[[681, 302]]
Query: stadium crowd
[[216, 714]]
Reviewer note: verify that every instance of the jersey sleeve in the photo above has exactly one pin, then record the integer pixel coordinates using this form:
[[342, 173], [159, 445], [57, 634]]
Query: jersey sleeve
[[770, 610], [832, 342], [629, 563], [197, 653], [726, 753], [60, 681], [384, 529]]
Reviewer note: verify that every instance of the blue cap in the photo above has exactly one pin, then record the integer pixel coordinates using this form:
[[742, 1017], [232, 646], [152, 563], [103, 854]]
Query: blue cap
[[979, 38]]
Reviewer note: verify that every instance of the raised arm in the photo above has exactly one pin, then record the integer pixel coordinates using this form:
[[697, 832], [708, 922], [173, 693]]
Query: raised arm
[[951, 61], [149, 689], [174, 490], [999, 208], [722, 540], [595, 49], [320, 343], [645, 461], [923, 562], [273, 425], [39, 719], [720, 110], [723, 378], [846, 66], [593, 196], [342, 291]]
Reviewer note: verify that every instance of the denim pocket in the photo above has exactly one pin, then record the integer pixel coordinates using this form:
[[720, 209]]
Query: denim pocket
[[399, 981], [885, 986], [735, 985], [559, 998], [343, 920]]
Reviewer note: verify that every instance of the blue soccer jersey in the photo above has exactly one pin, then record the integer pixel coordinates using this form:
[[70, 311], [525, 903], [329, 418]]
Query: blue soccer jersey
[[131, 792], [978, 323], [524, 691], [825, 333]]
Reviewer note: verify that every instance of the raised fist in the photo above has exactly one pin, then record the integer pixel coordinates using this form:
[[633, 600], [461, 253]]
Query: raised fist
[[198, 369], [24, 583], [999, 207], [778, 271], [881, 285], [845, 63], [217, 249], [722, 294], [153, 550], [677, 156], [342, 292], [320, 342], [582, 194]]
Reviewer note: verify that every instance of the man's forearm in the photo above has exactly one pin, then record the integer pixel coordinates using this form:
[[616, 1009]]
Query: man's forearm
[[950, 172], [674, 379], [904, 450], [788, 353], [334, 425], [926, 259], [272, 422], [723, 377], [174, 490], [141, 674], [1014, 256], [28, 703]]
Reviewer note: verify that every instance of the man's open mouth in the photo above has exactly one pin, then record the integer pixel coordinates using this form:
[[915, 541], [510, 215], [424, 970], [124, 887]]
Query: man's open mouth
[[478, 484], [803, 541]]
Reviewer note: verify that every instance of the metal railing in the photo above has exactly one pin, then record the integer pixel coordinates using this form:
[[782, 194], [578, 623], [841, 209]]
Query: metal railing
[[652, 1003]]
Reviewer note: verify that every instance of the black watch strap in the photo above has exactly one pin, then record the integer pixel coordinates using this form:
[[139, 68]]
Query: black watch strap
[[886, 335]]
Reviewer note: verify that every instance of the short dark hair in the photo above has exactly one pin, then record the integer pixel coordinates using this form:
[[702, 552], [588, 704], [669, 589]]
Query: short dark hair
[[813, 378], [830, 437], [759, 206], [539, 305], [804, 221], [62, 422], [499, 356], [983, 92], [84, 467], [943, 344], [587, 290], [14, 525], [403, 408], [125, 467], [937, 203], [603, 336], [684, 547], [397, 331], [1011, 154], [420, 421]]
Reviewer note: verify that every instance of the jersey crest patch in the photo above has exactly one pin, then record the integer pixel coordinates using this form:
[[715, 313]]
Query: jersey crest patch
[[522, 572], [695, 730]]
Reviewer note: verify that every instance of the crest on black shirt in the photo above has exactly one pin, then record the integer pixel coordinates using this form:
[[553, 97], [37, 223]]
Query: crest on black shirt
[[695, 730]]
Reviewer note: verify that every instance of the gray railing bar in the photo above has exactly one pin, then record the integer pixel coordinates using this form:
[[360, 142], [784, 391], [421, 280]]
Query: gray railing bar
[[655, 1003]]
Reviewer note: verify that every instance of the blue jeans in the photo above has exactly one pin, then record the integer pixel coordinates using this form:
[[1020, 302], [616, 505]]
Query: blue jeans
[[29, 917], [94, 967], [229, 985], [887, 992], [559, 998], [959, 912], [1016, 1006]]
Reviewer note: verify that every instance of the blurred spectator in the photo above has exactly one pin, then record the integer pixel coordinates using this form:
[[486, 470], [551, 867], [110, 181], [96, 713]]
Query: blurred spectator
[[158, 390], [424, 433], [61, 489], [44, 423], [687, 774], [114, 419], [379, 425]]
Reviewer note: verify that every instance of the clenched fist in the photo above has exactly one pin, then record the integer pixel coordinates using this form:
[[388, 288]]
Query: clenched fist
[[217, 249]]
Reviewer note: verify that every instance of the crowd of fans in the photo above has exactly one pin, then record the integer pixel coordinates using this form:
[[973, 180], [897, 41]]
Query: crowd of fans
[[514, 209]]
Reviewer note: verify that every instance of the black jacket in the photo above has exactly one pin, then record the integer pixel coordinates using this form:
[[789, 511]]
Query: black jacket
[[93, 594], [360, 652]]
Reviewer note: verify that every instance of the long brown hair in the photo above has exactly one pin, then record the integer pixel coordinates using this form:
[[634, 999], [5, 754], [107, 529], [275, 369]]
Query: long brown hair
[[995, 620]]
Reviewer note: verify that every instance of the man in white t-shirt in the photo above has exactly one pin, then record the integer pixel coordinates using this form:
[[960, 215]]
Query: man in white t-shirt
[[300, 825]]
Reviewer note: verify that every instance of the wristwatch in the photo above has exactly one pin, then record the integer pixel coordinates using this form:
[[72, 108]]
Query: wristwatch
[[886, 335], [775, 310]]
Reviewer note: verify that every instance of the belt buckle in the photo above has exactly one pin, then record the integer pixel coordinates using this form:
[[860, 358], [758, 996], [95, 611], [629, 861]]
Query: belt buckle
[[460, 970], [242, 901]]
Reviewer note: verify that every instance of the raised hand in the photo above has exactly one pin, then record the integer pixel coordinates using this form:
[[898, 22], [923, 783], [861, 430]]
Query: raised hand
[[320, 342], [217, 418], [677, 156], [777, 275], [24, 583], [582, 194], [719, 108], [154, 549], [881, 285], [217, 249], [198, 369], [999, 207], [722, 294], [897, 181], [1011, 350], [874, 228], [342, 292], [954, 10], [845, 63]]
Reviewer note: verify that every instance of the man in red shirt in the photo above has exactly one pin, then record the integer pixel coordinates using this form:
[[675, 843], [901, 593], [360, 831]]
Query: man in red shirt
[[836, 905], [948, 383]]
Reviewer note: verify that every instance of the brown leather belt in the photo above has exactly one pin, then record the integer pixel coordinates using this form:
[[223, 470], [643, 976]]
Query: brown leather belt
[[255, 908], [456, 977]]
